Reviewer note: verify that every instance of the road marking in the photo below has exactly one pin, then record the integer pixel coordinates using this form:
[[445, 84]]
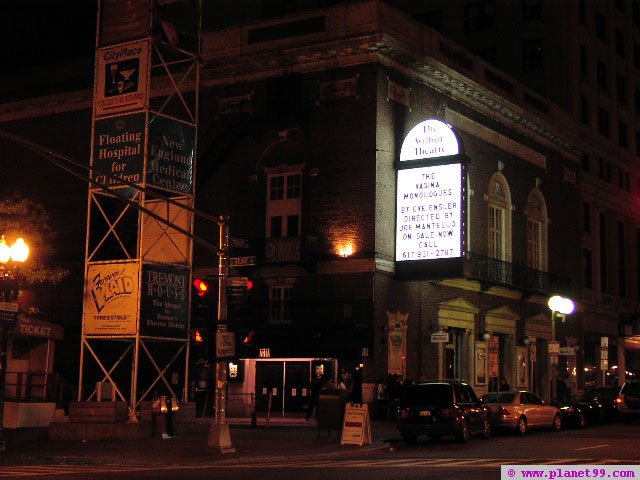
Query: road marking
[[595, 446]]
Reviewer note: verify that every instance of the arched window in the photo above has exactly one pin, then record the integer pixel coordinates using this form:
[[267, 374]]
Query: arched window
[[536, 231], [499, 214]]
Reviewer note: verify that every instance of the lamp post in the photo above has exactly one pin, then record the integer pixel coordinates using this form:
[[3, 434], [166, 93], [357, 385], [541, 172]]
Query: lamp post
[[9, 258], [560, 307]]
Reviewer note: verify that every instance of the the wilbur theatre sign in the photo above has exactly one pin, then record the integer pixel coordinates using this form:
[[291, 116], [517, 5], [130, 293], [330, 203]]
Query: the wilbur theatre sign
[[429, 197]]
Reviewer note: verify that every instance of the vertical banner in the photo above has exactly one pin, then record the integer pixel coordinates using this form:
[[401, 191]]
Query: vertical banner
[[121, 78], [171, 155], [123, 20], [111, 299], [118, 149], [164, 301]]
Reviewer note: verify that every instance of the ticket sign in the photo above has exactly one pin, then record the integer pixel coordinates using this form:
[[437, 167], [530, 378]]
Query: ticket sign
[[429, 195]]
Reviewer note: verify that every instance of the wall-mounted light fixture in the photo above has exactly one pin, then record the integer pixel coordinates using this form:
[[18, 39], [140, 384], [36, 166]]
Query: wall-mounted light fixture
[[345, 250], [486, 336]]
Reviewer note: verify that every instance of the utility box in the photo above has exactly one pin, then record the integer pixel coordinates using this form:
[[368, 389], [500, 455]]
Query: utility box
[[331, 406], [105, 392]]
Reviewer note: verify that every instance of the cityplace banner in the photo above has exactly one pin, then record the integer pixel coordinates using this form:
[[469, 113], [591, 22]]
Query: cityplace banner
[[171, 155], [118, 149], [164, 301], [111, 299], [121, 78]]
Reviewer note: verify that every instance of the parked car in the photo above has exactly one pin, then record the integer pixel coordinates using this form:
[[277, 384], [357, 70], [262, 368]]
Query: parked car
[[628, 400], [520, 411], [606, 398], [578, 412], [442, 407]]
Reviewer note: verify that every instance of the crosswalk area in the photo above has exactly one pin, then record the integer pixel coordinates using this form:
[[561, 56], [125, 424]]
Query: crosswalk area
[[51, 471]]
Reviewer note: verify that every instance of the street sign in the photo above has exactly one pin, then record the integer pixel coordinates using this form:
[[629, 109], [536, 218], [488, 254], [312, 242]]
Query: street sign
[[225, 344], [567, 351], [440, 337], [604, 342], [238, 242], [237, 282], [8, 314], [242, 261], [554, 347], [604, 354]]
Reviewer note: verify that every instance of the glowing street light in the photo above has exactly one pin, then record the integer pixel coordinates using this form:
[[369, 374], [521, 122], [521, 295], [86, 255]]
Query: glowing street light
[[560, 307], [18, 252]]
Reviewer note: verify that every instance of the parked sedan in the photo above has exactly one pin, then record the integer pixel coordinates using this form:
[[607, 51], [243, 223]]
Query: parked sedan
[[606, 397], [580, 411], [520, 411]]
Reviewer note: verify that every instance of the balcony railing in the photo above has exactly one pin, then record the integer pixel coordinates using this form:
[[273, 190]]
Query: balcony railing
[[286, 249], [497, 272]]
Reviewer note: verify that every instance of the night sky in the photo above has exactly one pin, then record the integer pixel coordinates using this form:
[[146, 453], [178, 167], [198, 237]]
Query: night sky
[[35, 32]]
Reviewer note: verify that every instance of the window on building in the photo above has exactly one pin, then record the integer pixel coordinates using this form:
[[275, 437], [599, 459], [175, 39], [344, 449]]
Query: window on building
[[584, 64], [603, 253], [582, 12], [621, 89], [601, 32], [609, 171], [531, 10], [602, 173], [601, 74], [636, 57], [532, 55], [623, 134], [585, 164], [499, 245], [479, 16], [588, 268], [620, 43], [635, 13], [620, 178], [280, 305], [619, 5], [536, 231], [284, 205], [603, 121], [586, 217], [636, 100], [431, 19], [637, 143], [622, 261], [584, 109], [19, 348]]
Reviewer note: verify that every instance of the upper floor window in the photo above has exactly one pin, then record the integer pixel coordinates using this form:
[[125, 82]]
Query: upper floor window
[[284, 203], [531, 10], [280, 305], [536, 231], [479, 16], [620, 43], [532, 55], [499, 227], [603, 121], [601, 27], [601, 74]]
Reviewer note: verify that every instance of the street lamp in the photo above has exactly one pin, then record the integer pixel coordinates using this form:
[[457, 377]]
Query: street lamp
[[9, 256], [560, 307]]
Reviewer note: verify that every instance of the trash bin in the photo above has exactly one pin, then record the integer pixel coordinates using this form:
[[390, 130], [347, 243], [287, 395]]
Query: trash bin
[[331, 406]]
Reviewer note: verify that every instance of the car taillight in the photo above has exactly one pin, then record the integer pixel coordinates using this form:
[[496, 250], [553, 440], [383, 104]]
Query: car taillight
[[404, 413], [619, 400], [503, 411], [567, 409]]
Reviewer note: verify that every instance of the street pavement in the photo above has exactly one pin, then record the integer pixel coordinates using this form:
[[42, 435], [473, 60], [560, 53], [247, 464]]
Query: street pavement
[[279, 440]]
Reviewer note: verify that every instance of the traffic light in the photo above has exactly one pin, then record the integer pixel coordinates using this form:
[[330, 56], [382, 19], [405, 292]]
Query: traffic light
[[197, 336], [202, 287]]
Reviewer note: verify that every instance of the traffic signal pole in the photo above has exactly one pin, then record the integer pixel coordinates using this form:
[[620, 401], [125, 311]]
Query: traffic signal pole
[[219, 436]]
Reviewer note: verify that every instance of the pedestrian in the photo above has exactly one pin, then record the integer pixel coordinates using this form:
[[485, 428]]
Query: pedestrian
[[504, 385], [314, 393]]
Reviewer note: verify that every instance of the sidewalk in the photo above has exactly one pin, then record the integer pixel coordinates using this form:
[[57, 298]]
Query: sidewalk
[[281, 440]]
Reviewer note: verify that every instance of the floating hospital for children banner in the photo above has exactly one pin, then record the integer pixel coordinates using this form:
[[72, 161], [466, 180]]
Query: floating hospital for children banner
[[111, 299], [121, 78]]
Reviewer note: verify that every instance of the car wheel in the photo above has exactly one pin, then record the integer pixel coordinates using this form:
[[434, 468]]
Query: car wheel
[[581, 421], [486, 429], [409, 438], [464, 435], [557, 423], [435, 437], [521, 428]]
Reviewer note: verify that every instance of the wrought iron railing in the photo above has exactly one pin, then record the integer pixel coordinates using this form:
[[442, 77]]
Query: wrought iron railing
[[498, 272]]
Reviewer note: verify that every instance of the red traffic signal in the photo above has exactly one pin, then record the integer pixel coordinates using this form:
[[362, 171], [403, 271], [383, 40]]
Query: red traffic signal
[[249, 284], [202, 287]]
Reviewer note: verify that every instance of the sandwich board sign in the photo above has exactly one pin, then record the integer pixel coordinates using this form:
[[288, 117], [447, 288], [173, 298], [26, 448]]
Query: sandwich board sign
[[356, 428]]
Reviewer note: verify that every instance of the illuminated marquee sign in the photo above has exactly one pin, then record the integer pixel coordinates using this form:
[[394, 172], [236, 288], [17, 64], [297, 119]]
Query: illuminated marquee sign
[[429, 197]]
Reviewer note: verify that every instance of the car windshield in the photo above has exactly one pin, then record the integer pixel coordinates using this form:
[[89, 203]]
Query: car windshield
[[432, 394], [499, 397]]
